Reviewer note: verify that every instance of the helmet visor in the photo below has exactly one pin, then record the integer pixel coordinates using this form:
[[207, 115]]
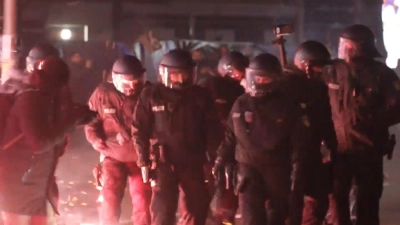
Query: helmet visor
[[313, 68], [176, 78], [128, 84], [346, 49], [259, 81], [30, 63]]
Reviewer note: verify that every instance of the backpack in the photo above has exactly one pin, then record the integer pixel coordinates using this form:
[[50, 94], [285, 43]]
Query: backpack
[[354, 93], [9, 92]]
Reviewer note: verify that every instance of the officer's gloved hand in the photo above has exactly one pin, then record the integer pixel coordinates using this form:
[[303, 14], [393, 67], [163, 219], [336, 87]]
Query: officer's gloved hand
[[144, 164], [219, 168], [143, 161]]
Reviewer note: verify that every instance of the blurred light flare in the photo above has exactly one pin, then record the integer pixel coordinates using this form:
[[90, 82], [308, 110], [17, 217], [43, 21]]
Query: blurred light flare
[[66, 34]]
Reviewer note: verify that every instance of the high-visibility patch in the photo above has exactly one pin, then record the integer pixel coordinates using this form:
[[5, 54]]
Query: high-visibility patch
[[248, 117], [333, 86], [109, 110], [235, 115], [158, 108]]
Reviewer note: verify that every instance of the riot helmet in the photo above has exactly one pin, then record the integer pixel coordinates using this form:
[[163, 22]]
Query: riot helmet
[[40, 52], [50, 73], [233, 64], [128, 75], [355, 41], [261, 74], [311, 56], [177, 69]]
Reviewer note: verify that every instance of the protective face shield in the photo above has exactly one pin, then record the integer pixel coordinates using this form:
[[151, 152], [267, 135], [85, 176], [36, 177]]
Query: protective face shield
[[128, 84], [30, 63], [233, 73], [177, 78], [259, 82], [313, 68], [347, 49]]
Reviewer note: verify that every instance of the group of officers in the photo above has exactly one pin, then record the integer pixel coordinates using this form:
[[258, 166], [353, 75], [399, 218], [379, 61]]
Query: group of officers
[[258, 148]]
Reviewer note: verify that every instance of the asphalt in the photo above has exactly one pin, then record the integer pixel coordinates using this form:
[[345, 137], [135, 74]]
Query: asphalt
[[78, 192]]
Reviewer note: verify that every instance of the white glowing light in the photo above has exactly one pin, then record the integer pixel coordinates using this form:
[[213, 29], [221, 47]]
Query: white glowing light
[[66, 34], [391, 33], [100, 198]]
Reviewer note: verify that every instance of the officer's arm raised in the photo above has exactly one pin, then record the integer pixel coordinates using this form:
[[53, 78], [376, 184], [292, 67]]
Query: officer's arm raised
[[142, 127]]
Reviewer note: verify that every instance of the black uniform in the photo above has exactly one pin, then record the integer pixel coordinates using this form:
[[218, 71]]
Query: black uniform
[[265, 132], [225, 91], [312, 93], [359, 96], [185, 123], [362, 144]]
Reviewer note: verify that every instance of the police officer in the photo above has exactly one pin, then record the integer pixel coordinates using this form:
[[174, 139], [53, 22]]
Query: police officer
[[225, 89], [111, 136], [361, 132], [233, 64], [266, 128], [304, 83], [184, 120]]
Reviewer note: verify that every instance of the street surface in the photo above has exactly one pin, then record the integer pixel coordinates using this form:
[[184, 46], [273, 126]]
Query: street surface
[[78, 192]]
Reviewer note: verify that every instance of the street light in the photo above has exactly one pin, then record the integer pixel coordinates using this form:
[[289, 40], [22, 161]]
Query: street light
[[66, 34]]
